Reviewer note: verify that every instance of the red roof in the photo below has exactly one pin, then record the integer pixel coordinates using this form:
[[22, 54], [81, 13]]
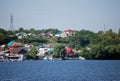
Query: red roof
[[69, 51], [69, 31]]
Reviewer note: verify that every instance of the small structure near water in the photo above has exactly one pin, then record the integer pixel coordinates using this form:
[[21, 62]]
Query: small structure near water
[[15, 52], [45, 51]]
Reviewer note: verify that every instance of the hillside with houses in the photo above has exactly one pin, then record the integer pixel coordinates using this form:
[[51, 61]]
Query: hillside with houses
[[53, 44]]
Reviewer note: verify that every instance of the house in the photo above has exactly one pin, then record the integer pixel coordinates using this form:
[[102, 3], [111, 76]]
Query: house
[[44, 50], [22, 35], [28, 46], [69, 32], [61, 34], [64, 34], [47, 35], [50, 34], [7, 56], [10, 43], [14, 45], [19, 50], [71, 54], [16, 48], [69, 51], [58, 34]]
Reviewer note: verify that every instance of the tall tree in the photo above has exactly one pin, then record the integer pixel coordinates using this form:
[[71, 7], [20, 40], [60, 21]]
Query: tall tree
[[32, 30], [33, 52], [21, 29], [59, 51]]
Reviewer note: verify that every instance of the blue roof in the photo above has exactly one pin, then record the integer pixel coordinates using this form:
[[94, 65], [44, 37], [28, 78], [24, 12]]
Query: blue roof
[[10, 43], [22, 33], [59, 32], [25, 48]]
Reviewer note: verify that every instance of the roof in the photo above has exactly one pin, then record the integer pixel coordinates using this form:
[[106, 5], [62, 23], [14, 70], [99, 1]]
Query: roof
[[10, 43], [69, 51], [22, 33], [59, 32], [19, 50], [15, 44], [69, 30]]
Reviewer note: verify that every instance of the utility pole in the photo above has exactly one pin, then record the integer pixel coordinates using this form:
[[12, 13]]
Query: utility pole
[[11, 23], [104, 28]]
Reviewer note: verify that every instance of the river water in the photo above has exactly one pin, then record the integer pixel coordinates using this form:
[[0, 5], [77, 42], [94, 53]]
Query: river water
[[68, 70]]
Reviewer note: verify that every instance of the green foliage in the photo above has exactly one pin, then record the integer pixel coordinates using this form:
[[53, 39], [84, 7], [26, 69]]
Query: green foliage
[[84, 53], [103, 45], [6, 36], [59, 51], [106, 46], [54, 31], [102, 52], [62, 40], [21, 29], [39, 40], [32, 30], [33, 52]]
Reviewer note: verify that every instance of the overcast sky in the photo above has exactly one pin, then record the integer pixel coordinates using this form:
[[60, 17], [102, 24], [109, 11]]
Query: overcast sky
[[61, 14]]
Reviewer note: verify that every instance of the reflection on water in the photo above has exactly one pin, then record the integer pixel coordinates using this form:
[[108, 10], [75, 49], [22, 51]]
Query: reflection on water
[[60, 71]]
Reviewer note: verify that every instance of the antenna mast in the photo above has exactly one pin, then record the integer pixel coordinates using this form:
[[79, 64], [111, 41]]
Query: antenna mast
[[104, 28], [11, 23]]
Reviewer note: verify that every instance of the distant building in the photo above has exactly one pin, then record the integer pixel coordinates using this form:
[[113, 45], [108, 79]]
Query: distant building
[[47, 35], [19, 50], [16, 48], [69, 32], [22, 35], [69, 51], [66, 33], [58, 34], [44, 50]]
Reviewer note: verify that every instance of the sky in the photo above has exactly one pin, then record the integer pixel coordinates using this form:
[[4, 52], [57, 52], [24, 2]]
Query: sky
[[90, 15]]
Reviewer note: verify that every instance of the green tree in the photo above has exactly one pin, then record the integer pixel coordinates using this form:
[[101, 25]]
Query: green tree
[[20, 29], [84, 53], [32, 30], [59, 51], [33, 52], [6, 36], [54, 31]]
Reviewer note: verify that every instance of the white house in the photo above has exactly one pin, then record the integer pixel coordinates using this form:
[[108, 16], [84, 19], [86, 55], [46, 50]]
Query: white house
[[61, 34], [58, 34], [44, 50]]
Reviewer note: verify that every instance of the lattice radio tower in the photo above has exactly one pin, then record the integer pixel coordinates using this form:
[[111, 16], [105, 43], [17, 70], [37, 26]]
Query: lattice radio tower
[[11, 23]]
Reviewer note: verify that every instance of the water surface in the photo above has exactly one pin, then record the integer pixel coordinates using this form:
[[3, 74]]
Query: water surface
[[69, 70]]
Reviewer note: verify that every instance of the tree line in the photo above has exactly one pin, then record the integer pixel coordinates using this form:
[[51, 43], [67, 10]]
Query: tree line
[[101, 45]]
